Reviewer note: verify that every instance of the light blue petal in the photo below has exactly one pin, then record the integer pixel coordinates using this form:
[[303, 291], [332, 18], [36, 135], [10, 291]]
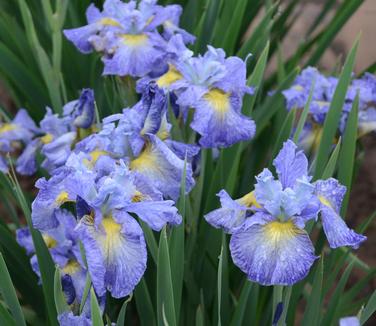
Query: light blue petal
[[230, 216], [273, 253], [115, 252], [349, 321], [268, 192], [156, 213], [290, 165]]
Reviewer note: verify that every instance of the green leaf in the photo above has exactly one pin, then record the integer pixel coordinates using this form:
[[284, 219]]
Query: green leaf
[[9, 293], [232, 31], [284, 132], [304, 115], [347, 154], [165, 293], [86, 291], [369, 309], [5, 317], [330, 31], [332, 119], [144, 304], [60, 302], [200, 316], [219, 286], [207, 23], [96, 314], [241, 306], [332, 163], [335, 298], [313, 308], [121, 318], [272, 103], [176, 245]]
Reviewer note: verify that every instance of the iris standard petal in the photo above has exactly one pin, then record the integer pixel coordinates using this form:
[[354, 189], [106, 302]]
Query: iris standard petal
[[275, 253], [290, 164]]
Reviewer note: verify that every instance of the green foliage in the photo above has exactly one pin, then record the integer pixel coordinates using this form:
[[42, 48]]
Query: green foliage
[[186, 283]]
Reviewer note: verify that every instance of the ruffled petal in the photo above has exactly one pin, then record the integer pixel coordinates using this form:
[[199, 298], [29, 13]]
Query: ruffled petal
[[330, 194], [162, 167], [219, 121], [68, 319], [115, 252], [274, 253], [156, 213], [290, 165], [230, 216]]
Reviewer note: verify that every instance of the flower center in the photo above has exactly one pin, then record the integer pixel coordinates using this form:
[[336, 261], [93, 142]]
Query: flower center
[[7, 127], [135, 40], [277, 231], [109, 22], [218, 100], [170, 77]]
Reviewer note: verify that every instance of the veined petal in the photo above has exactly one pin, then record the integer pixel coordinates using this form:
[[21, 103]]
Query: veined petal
[[115, 252], [330, 194], [68, 319], [162, 167], [274, 253], [232, 214], [134, 55], [219, 121], [156, 213], [290, 165]]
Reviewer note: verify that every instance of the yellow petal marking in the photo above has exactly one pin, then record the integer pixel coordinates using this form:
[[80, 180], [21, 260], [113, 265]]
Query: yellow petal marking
[[7, 127], [71, 267], [277, 231], [249, 200], [109, 22], [218, 100], [49, 241], [170, 77], [47, 138], [135, 40]]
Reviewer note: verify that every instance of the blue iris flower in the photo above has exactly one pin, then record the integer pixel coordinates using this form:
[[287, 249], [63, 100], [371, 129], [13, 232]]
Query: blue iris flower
[[268, 240], [127, 35]]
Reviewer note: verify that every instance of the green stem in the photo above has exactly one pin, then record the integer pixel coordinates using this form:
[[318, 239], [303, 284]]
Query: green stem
[[277, 297]]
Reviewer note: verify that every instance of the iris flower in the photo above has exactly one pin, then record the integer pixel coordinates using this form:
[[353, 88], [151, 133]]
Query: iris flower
[[127, 35], [268, 239]]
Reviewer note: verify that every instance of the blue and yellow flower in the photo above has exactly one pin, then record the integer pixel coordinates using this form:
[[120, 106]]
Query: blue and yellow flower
[[268, 240]]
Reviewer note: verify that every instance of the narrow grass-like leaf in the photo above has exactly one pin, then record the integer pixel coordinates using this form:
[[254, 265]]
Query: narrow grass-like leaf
[[330, 31], [121, 318], [332, 119], [219, 286], [205, 34], [96, 314], [347, 154], [335, 298], [144, 304], [271, 104], [176, 245], [233, 29], [165, 292], [313, 306], [60, 302], [284, 132], [304, 115], [150, 240], [369, 309], [86, 292], [286, 303], [241, 306], [5, 317], [9, 293], [200, 316], [332, 163]]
